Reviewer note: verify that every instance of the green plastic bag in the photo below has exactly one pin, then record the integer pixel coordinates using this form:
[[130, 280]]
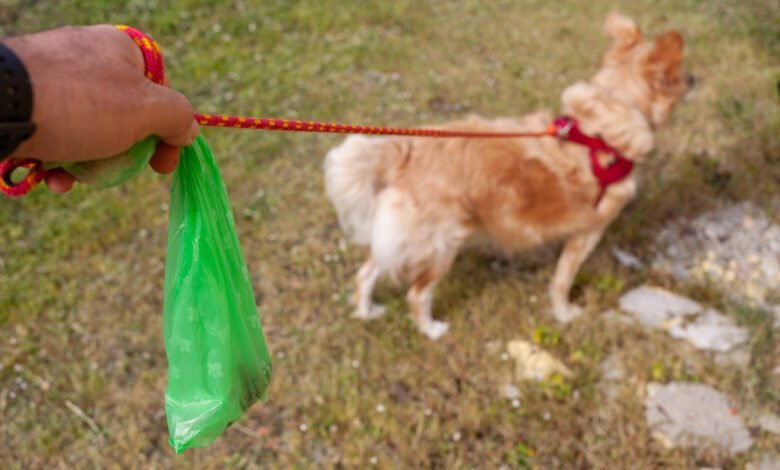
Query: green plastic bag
[[115, 170], [218, 363]]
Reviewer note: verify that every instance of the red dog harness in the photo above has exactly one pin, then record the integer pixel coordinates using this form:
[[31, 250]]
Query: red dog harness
[[617, 170]]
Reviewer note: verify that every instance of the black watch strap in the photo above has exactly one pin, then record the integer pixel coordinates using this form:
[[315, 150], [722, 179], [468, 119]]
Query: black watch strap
[[16, 102]]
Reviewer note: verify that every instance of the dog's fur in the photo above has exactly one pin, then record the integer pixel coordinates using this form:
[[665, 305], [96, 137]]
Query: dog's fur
[[416, 201]]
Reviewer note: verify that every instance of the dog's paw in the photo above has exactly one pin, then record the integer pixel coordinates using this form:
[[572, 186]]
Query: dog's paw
[[565, 313], [434, 329], [375, 311]]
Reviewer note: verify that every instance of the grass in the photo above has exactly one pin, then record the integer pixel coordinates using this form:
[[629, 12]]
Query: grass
[[81, 276]]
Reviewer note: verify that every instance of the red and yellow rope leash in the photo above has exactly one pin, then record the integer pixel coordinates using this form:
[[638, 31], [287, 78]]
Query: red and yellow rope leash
[[291, 125], [155, 71]]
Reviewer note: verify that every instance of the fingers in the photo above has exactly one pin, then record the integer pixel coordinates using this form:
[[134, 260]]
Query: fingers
[[164, 161], [165, 158], [169, 116], [59, 180]]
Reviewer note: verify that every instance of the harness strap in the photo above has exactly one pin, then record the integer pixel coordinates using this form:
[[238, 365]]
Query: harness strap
[[617, 170]]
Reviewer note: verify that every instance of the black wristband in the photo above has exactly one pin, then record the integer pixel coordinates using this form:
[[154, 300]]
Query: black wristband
[[16, 102]]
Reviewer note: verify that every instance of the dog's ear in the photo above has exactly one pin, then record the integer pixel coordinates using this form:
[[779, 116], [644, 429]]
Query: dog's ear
[[668, 48], [666, 57], [622, 30]]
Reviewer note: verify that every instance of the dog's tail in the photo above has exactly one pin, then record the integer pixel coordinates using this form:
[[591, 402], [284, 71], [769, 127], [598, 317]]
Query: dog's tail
[[355, 173]]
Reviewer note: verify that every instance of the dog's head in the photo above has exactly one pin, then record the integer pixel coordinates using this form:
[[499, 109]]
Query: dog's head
[[649, 74]]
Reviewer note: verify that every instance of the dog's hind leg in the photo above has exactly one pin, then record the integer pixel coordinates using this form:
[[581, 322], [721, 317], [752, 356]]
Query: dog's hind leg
[[420, 300], [366, 278]]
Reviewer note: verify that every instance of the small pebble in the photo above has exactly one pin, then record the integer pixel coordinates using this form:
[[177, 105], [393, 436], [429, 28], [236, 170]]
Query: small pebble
[[380, 408], [510, 391], [456, 436], [303, 427]]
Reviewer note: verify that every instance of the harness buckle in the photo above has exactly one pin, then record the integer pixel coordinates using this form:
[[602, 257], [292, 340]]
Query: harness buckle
[[563, 132]]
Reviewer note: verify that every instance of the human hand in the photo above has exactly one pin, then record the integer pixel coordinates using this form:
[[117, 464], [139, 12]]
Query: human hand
[[92, 101]]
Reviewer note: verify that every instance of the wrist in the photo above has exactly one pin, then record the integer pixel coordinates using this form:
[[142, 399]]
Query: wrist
[[16, 102]]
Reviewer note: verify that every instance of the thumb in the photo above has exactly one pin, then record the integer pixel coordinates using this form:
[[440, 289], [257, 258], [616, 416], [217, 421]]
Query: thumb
[[169, 116]]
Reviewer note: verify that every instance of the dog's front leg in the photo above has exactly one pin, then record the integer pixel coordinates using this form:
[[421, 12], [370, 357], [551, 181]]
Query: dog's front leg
[[578, 247], [575, 250]]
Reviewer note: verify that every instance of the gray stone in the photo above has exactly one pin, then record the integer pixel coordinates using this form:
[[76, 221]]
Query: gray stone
[[767, 462], [711, 331], [694, 415], [769, 422], [736, 248], [739, 357], [655, 307], [627, 259]]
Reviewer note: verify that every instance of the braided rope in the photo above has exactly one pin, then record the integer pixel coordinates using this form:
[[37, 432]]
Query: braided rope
[[35, 174], [154, 67], [155, 71], [292, 125]]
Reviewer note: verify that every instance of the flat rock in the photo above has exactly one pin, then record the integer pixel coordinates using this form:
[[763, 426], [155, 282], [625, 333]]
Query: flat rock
[[694, 415], [683, 318], [655, 307], [711, 331], [627, 259], [736, 248], [739, 357], [767, 462], [769, 422], [533, 363]]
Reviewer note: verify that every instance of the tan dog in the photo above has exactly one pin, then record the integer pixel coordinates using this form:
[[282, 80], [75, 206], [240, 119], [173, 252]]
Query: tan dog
[[417, 201]]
